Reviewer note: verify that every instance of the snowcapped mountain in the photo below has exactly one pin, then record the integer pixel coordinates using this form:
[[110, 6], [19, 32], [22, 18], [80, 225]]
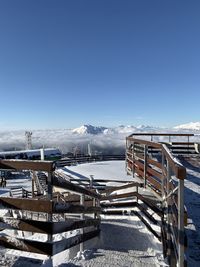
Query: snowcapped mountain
[[189, 126], [95, 130], [89, 129]]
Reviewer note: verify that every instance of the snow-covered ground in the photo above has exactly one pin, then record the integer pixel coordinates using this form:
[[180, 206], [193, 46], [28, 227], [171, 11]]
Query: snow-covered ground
[[192, 203]]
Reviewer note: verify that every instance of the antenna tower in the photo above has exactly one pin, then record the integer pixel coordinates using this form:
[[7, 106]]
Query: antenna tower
[[28, 140]]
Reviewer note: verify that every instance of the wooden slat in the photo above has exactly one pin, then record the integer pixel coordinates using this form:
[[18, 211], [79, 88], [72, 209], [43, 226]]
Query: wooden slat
[[26, 225], [182, 143], [110, 181], [139, 172], [160, 134], [26, 204], [119, 204], [155, 173], [139, 164], [60, 182], [72, 208], [26, 245], [125, 195], [154, 182], [154, 162], [73, 241], [115, 188], [46, 227], [71, 224], [147, 225], [144, 142], [150, 204], [17, 164], [144, 210]]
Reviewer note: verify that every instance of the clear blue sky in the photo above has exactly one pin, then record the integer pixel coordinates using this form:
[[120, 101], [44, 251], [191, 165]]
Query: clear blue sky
[[104, 62]]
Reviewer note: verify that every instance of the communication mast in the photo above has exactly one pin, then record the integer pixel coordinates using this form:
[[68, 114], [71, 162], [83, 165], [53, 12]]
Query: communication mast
[[89, 150], [28, 140]]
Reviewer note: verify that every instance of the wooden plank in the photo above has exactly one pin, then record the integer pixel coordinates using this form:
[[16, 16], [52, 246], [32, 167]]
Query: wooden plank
[[34, 165], [26, 225], [150, 204], [154, 162], [116, 212], [109, 180], [139, 172], [71, 224], [159, 134], [46, 227], [119, 204], [155, 173], [147, 225], [26, 245], [60, 182], [73, 241], [144, 210], [125, 195], [157, 185], [145, 142], [139, 164], [26, 204], [115, 188], [72, 208], [182, 143]]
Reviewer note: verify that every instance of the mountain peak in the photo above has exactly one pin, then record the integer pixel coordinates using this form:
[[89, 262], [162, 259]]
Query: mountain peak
[[89, 129], [189, 126]]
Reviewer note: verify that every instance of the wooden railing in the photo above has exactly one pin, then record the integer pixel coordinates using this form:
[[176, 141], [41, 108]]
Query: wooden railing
[[164, 175], [50, 215]]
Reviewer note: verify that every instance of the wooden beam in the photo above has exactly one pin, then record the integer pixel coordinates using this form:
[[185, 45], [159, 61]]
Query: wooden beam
[[26, 204], [27, 245], [62, 183], [73, 241], [125, 195], [71, 208], [34, 165]]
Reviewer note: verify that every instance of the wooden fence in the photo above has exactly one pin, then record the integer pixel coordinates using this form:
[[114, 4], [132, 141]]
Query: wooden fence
[[50, 215], [164, 175]]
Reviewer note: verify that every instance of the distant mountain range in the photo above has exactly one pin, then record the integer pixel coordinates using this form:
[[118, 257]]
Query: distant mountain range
[[194, 126], [94, 130]]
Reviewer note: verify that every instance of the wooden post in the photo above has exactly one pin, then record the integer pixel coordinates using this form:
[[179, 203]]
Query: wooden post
[[145, 165], [168, 211], [49, 184], [180, 223], [91, 181], [133, 159]]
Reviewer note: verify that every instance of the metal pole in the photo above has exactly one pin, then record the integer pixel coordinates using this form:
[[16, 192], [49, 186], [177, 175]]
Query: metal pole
[[50, 215], [168, 211], [163, 174], [82, 217], [33, 180], [145, 165], [180, 223]]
